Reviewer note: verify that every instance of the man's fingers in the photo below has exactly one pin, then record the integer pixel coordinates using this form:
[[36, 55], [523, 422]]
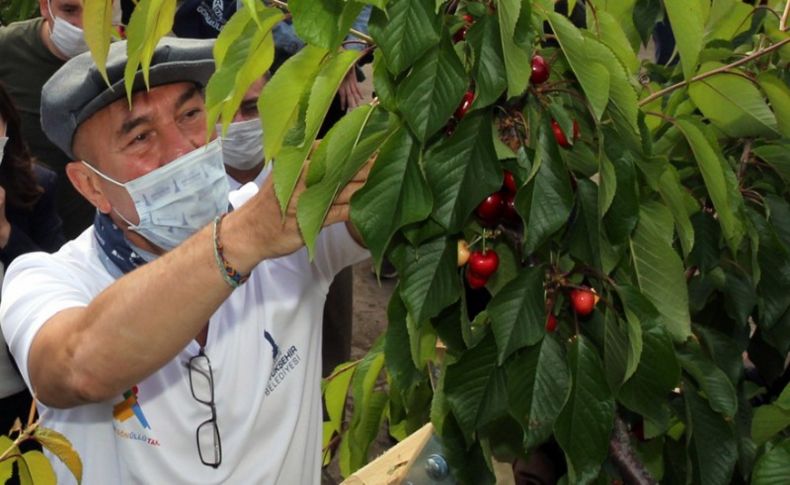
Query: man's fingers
[[337, 213]]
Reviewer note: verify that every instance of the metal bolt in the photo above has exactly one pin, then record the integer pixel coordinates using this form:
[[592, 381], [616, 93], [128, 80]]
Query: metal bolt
[[436, 467]]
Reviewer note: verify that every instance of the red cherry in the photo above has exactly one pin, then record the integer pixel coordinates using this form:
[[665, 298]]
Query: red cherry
[[551, 323], [509, 182], [483, 264], [468, 18], [576, 130], [559, 135], [475, 281], [582, 301], [490, 209], [460, 112], [509, 208], [540, 70], [459, 35]]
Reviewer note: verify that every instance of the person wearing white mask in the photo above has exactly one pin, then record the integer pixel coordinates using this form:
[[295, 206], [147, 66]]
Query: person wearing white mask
[[30, 52], [242, 143], [174, 341]]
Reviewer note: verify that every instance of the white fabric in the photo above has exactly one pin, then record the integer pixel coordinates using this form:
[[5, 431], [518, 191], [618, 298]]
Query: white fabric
[[259, 179], [242, 145], [69, 39], [10, 382], [3, 141], [268, 404]]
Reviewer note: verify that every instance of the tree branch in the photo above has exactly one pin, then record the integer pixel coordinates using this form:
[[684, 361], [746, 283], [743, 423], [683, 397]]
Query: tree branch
[[783, 21], [718, 70], [623, 456]]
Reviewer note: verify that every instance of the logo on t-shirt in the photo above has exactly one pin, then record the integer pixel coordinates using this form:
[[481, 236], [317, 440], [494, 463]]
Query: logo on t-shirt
[[284, 362], [130, 407]]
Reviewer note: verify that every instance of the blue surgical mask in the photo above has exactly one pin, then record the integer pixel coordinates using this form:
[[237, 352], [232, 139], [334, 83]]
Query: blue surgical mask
[[176, 200]]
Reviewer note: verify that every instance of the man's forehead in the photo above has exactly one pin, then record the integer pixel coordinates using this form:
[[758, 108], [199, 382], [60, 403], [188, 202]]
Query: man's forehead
[[66, 3], [146, 100]]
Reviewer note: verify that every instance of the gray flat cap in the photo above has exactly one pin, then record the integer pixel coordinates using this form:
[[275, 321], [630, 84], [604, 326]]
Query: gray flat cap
[[77, 90]]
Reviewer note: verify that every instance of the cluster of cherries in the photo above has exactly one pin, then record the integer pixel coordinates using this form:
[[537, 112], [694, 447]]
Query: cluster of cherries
[[540, 74], [480, 264], [583, 301], [499, 206]]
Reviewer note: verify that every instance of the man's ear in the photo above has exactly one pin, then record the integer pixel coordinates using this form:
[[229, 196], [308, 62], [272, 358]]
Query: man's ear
[[87, 183], [43, 7]]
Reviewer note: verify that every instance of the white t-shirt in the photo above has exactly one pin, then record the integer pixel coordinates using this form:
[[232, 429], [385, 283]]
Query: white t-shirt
[[264, 344], [235, 184]]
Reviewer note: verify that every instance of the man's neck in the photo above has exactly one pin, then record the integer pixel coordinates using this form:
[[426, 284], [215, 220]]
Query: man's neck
[[244, 176], [46, 37]]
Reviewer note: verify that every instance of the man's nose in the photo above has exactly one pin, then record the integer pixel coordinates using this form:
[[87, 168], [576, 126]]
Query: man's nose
[[176, 144]]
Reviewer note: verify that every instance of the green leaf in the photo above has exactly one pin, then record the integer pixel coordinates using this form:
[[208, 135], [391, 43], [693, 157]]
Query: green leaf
[[144, 33], [368, 407], [248, 58], [659, 270], [395, 195], [771, 468], [279, 101], [97, 27], [622, 348], [584, 236], [546, 202], [60, 446], [38, 466], [774, 261], [335, 388], [728, 18], [341, 154], [610, 32], [658, 371], [776, 155], [713, 447], [323, 23], [768, 421], [675, 197], [432, 90], [293, 155], [405, 32], [476, 387], [517, 314], [6, 466], [593, 77], [538, 385], [462, 170], [623, 213], [429, 281], [489, 66], [383, 83], [712, 168], [645, 16], [733, 104], [518, 64], [583, 426], [397, 347], [779, 96], [688, 25], [712, 380]]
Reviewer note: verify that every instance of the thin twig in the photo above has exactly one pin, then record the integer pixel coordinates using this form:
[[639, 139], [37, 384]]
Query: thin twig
[[625, 458], [718, 70], [785, 15], [745, 156]]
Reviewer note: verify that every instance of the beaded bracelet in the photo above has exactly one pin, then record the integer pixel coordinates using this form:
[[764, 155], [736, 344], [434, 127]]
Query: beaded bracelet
[[231, 275]]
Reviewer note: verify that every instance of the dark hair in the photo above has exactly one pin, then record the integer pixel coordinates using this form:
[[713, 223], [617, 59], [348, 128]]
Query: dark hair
[[16, 169]]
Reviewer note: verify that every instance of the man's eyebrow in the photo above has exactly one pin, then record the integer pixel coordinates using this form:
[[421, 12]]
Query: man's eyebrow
[[133, 123], [186, 96]]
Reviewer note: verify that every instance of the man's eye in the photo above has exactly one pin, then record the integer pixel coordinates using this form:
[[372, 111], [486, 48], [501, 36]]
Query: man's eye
[[139, 138]]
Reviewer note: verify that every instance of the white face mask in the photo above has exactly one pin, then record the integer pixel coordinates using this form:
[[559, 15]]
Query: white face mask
[[68, 39], [176, 200], [242, 146], [3, 141]]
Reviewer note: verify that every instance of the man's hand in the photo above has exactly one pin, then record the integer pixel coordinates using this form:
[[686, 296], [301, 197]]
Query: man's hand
[[350, 95]]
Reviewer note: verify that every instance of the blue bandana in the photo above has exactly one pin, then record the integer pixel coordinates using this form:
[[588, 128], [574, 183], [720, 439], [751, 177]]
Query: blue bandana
[[114, 245]]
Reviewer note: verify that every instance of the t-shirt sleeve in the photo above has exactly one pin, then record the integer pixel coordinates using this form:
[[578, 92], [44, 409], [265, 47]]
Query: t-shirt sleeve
[[335, 249], [34, 290]]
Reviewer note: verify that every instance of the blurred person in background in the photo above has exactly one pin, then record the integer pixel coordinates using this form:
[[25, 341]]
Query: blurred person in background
[[28, 222]]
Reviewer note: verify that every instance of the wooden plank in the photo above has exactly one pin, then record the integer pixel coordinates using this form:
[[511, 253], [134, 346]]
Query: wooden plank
[[394, 464]]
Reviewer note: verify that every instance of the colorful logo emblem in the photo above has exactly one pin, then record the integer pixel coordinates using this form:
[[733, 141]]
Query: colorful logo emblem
[[130, 407]]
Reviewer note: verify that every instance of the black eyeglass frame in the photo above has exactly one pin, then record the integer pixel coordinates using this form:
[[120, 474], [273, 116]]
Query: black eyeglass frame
[[213, 419]]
